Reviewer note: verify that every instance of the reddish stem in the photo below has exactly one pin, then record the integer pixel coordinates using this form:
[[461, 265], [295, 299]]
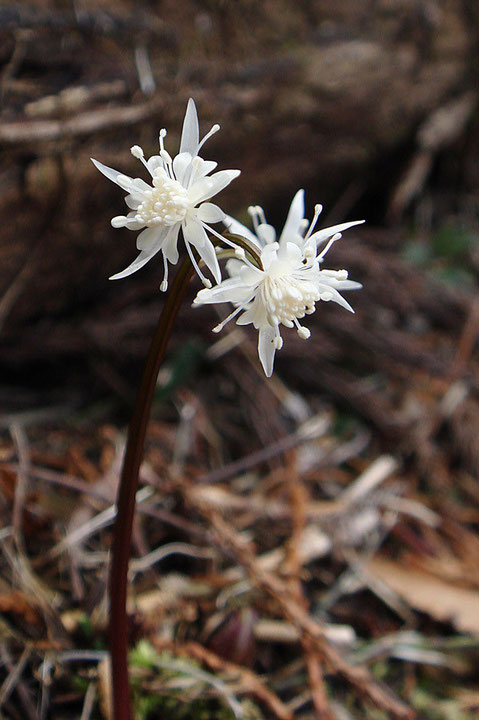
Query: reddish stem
[[118, 628]]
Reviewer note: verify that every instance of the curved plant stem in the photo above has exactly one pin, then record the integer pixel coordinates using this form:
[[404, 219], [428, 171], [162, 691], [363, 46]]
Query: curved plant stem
[[118, 627]]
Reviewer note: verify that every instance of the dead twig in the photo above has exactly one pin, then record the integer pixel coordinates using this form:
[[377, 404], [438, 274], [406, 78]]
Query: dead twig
[[293, 565], [249, 679], [13, 681], [358, 677]]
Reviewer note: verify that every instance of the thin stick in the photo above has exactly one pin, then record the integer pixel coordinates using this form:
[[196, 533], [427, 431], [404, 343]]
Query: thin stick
[[118, 636], [358, 677]]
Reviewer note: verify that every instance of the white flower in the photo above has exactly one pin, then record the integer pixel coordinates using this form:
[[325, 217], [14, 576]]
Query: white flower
[[174, 200], [290, 281]]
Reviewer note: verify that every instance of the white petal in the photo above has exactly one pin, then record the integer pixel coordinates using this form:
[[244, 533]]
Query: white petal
[[336, 297], [209, 186], [266, 233], [194, 233], [233, 266], [210, 213], [199, 170], [237, 228], [132, 201], [269, 255], [293, 221], [138, 263], [266, 349], [292, 252], [348, 285], [205, 167], [181, 163], [138, 187], [339, 284], [150, 237], [109, 172], [154, 162], [226, 291], [325, 234], [208, 255], [246, 318], [170, 244], [190, 135]]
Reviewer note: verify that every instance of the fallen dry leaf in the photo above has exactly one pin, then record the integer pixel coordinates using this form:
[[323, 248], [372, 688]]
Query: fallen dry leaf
[[442, 600]]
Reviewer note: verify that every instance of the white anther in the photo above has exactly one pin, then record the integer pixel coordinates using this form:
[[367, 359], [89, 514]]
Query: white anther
[[240, 253], [304, 333], [165, 155], [137, 152], [213, 130], [118, 221]]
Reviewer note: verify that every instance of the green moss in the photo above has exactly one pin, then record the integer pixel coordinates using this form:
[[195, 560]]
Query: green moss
[[180, 689]]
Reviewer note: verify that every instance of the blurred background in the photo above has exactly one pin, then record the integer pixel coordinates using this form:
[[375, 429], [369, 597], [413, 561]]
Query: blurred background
[[366, 438]]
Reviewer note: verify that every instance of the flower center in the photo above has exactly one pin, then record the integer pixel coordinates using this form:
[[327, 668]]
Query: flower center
[[166, 203], [287, 297]]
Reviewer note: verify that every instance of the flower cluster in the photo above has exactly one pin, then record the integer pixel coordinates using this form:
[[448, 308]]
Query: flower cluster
[[290, 281], [277, 283], [175, 199]]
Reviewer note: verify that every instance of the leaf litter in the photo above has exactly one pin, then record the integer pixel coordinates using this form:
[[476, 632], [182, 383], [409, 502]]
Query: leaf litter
[[292, 556]]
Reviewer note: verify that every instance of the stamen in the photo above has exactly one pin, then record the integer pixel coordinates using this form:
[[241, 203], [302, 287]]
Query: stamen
[[325, 249], [118, 221], [303, 225], [165, 155], [309, 250], [303, 332], [261, 214], [213, 130], [138, 153], [192, 171], [161, 138], [317, 212], [336, 274], [278, 342], [253, 212], [164, 282], [204, 280], [218, 328]]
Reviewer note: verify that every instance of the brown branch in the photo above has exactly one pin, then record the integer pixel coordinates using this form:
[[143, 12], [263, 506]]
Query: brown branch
[[358, 677], [250, 680]]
